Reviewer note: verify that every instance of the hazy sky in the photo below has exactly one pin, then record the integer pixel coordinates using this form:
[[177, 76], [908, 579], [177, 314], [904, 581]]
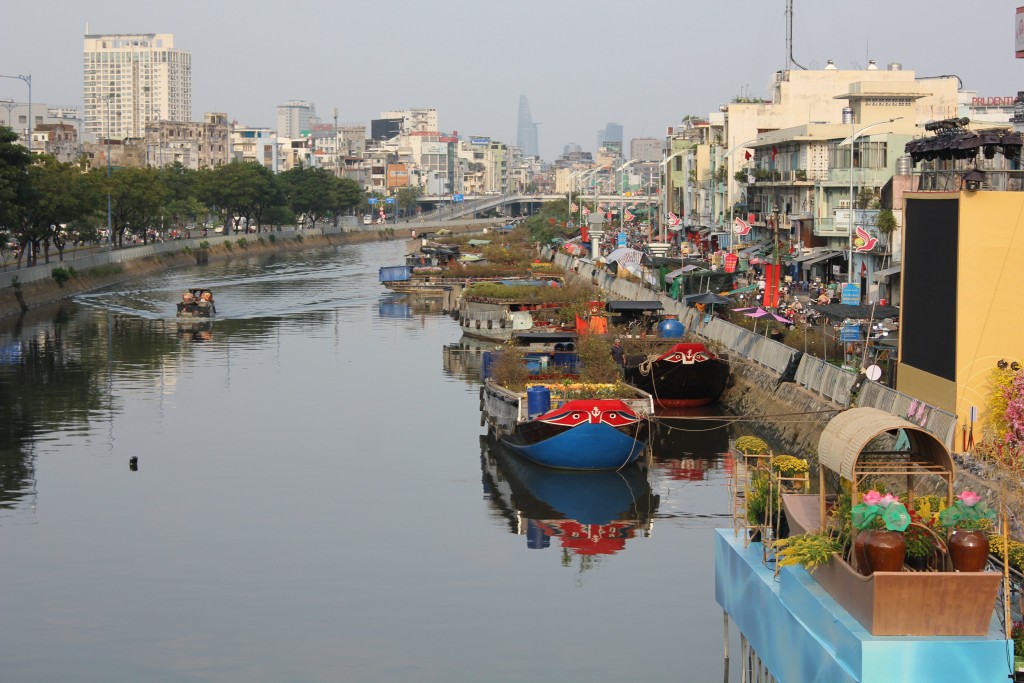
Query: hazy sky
[[581, 63]]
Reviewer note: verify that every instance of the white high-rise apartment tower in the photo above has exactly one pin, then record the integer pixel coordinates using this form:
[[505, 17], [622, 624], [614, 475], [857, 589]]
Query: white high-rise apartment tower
[[131, 79], [295, 117]]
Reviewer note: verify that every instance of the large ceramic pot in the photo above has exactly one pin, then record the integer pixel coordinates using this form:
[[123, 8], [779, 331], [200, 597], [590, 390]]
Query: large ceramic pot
[[968, 550], [884, 550], [860, 553]]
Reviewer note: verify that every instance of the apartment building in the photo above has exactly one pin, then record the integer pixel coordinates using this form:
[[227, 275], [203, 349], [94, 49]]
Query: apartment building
[[130, 80], [295, 118], [193, 144]]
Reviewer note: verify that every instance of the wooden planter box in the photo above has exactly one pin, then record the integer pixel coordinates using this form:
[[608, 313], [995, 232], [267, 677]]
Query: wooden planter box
[[913, 603]]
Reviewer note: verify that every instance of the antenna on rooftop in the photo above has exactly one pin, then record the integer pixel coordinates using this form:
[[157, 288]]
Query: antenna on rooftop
[[789, 36]]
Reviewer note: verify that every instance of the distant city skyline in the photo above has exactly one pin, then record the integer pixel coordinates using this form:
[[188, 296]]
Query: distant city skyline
[[526, 131], [245, 69]]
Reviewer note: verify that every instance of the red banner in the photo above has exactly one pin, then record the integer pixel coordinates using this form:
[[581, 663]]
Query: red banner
[[771, 290], [585, 233], [730, 262]]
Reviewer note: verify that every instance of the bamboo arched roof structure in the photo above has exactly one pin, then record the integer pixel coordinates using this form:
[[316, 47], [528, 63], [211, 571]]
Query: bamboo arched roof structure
[[841, 449]]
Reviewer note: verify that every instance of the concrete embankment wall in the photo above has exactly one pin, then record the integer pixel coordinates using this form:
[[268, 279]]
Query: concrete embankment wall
[[27, 288], [789, 395]]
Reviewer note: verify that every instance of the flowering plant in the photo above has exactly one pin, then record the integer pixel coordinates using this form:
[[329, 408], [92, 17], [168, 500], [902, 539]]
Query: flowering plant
[[788, 465], [920, 541], [876, 510], [968, 513]]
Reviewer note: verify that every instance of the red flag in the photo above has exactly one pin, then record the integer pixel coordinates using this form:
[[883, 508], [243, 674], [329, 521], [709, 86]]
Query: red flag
[[775, 150], [747, 155]]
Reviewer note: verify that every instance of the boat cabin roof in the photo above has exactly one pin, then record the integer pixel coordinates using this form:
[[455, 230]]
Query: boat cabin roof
[[634, 306], [526, 338]]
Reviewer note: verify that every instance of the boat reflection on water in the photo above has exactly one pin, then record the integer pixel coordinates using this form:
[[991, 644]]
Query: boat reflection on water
[[682, 439], [404, 307], [465, 358], [590, 513], [196, 331]]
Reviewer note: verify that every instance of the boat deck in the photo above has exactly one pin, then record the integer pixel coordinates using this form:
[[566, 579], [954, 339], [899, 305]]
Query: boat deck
[[801, 634]]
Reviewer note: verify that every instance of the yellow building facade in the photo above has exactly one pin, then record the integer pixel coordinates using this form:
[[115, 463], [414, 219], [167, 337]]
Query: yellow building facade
[[962, 304]]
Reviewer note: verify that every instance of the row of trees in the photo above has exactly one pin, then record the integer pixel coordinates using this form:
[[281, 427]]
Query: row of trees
[[45, 203]]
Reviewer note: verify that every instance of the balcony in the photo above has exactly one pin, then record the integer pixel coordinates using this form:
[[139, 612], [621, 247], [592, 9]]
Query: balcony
[[795, 177], [827, 227], [952, 181]]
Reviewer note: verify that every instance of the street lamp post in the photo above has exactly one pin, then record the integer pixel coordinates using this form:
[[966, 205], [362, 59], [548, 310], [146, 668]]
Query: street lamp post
[[110, 229], [28, 82], [664, 200], [8, 105], [852, 140]]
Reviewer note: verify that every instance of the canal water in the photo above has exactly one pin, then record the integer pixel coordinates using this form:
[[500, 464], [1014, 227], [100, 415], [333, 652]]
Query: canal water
[[313, 501]]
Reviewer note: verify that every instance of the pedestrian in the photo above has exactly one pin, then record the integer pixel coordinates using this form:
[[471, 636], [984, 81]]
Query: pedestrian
[[618, 355]]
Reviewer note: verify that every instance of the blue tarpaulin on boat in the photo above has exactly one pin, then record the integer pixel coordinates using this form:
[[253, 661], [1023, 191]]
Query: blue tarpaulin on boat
[[395, 273]]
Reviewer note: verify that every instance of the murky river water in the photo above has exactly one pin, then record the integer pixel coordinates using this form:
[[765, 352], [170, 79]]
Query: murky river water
[[313, 501]]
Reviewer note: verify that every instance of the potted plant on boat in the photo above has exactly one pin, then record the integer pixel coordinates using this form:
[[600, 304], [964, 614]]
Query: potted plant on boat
[[880, 545], [922, 542], [969, 520]]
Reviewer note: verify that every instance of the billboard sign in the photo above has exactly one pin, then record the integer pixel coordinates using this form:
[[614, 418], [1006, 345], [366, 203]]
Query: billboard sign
[[1019, 32], [851, 294], [440, 148], [480, 141]]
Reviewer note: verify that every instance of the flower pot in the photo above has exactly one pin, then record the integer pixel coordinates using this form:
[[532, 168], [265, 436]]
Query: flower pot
[[968, 550], [885, 550], [860, 553], [917, 562]]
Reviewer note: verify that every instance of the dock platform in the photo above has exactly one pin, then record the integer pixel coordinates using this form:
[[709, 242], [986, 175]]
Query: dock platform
[[802, 635]]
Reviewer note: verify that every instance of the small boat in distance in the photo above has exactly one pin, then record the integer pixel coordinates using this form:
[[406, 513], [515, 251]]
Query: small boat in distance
[[197, 302]]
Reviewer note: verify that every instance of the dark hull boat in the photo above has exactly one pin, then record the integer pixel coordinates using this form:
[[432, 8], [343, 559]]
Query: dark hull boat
[[685, 376]]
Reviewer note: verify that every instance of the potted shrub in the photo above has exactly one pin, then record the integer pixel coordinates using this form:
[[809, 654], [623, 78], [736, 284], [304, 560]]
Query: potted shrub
[[921, 542], [969, 519], [807, 550], [880, 545]]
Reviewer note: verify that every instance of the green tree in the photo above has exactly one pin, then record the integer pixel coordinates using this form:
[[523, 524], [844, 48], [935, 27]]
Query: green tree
[[312, 193], [15, 160], [406, 199], [137, 201], [233, 191]]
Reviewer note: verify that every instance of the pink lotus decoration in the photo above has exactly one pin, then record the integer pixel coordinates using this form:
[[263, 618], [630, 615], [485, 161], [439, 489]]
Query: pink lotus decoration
[[872, 497], [969, 498]]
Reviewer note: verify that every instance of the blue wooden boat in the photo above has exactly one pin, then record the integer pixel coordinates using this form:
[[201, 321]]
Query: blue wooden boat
[[579, 434]]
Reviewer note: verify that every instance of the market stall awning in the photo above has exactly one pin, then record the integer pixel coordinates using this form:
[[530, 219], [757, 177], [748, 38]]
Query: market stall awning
[[846, 311], [689, 268], [886, 273], [754, 247], [816, 258], [706, 298]]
